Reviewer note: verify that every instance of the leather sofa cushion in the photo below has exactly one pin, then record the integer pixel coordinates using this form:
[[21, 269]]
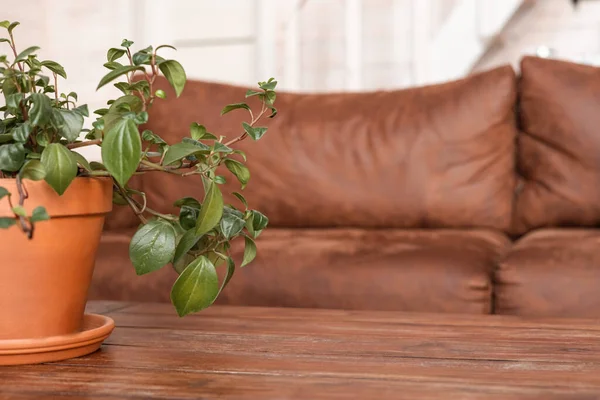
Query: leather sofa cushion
[[551, 272], [417, 270], [115, 278], [558, 150], [437, 156]]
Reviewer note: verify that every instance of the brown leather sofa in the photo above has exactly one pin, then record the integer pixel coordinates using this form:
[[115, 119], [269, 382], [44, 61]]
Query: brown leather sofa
[[475, 196]]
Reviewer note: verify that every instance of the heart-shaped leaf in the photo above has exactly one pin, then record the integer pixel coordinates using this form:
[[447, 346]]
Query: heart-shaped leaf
[[212, 210], [249, 251], [196, 288], [241, 172], [232, 222], [12, 157], [175, 74], [41, 109], [117, 72], [60, 166], [184, 149], [122, 150], [68, 123], [152, 246], [34, 170], [187, 241]]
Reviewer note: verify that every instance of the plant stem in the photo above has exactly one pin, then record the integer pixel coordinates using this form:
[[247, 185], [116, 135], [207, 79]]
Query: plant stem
[[13, 46], [130, 202], [23, 195], [83, 144], [56, 89]]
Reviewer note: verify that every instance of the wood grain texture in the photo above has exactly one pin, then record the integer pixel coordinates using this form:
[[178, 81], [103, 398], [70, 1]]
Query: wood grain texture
[[258, 353]]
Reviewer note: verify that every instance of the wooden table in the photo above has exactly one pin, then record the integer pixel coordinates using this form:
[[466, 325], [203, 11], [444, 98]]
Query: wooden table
[[258, 353]]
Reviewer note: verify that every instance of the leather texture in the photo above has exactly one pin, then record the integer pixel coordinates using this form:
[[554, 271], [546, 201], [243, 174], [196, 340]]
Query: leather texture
[[434, 157], [352, 181], [551, 272], [115, 278], [408, 270], [334, 268], [559, 146]]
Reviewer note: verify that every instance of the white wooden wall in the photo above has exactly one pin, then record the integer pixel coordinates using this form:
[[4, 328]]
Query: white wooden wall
[[309, 45]]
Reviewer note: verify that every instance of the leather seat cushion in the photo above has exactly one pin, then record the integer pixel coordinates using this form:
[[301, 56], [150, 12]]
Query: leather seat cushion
[[551, 272], [416, 270]]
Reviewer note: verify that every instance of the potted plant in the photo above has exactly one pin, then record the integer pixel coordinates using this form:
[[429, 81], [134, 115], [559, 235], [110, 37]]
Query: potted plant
[[53, 201]]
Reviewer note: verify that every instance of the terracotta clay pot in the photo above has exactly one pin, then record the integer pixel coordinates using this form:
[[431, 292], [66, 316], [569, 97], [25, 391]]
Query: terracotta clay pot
[[44, 281]]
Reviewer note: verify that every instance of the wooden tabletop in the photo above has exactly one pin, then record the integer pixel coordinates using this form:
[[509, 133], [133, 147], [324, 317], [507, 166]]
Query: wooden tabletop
[[260, 353]]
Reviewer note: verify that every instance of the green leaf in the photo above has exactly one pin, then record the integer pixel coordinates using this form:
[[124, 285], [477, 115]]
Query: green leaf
[[241, 198], [13, 101], [165, 45], [34, 170], [112, 65], [259, 222], [127, 103], [140, 57], [254, 132], [230, 272], [25, 53], [121, 150], [12, 157], [241, 172], [82, 110], [197, 131], [55, 67], [249, 251], [60, 166], [219, 147], [271, 84], [175, 74], [181, 150], [68, 123], [235, 106], [269, 98], [13, 26], [20, 211], [81, 161], [126, 43], [188, 240], [96, 166], [188, 217], [6, 137], [22, 132], [232, 222], [41, 109], [196, 288], [188, 201], [4, 24], [152, 137], [152, 246], [6, 222], [3, 192], [251, 93], [39, 214], [212, 210], [160, 94], [113, 54], [117, 72]]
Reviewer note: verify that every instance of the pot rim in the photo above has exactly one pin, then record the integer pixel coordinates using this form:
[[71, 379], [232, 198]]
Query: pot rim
[[84, 196]]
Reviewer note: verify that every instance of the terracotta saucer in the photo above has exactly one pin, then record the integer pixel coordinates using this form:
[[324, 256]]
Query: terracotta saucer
[[96, 328]]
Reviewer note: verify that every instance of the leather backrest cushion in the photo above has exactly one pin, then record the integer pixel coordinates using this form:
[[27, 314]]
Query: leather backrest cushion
[[559, 147], [436, 156]]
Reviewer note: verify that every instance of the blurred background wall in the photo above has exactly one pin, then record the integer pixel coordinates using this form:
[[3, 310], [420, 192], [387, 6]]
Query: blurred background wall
[[309, 45]]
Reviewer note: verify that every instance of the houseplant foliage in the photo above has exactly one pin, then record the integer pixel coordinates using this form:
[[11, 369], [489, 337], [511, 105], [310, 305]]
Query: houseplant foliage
[[41, 128]]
